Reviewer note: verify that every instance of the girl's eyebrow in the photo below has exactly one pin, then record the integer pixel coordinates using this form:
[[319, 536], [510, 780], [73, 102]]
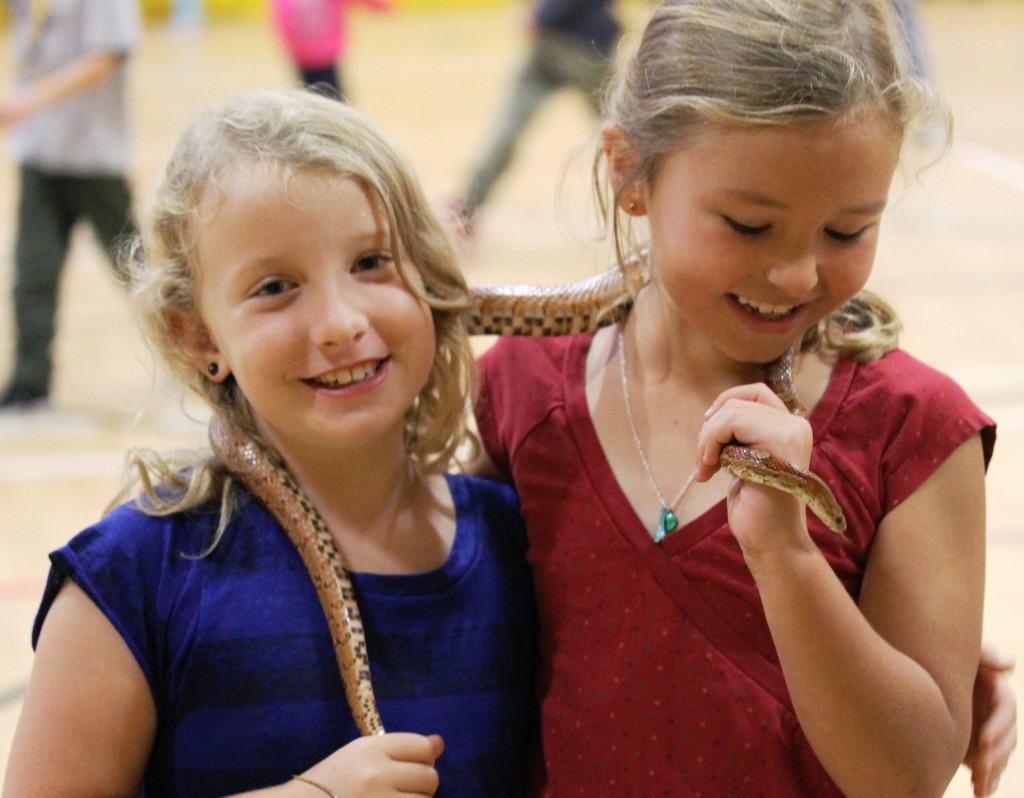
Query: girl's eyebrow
[[754, 198]]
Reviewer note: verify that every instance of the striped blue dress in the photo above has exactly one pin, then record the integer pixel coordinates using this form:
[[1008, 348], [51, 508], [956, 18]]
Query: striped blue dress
[[238, 656]]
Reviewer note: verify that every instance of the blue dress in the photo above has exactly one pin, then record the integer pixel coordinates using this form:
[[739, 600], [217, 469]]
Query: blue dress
[[239, 659]]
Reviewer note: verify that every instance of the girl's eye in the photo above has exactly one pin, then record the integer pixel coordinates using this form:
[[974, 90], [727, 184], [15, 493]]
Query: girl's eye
[[745, 229], [845, 238], [377, 260], [272, 288]]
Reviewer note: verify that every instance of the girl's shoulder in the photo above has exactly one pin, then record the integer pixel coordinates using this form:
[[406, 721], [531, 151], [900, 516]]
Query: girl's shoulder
[[130, 524], [471, 493], [898, 392], [188, 532], [489, 519], [130, 544], [902, 378], [525, 375], [518, 354]]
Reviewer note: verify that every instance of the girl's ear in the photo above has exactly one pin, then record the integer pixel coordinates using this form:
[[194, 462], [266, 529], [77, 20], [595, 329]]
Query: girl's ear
[[191, 336], [622, 165]]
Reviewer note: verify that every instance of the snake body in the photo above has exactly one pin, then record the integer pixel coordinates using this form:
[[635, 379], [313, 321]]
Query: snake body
[[565, 309], [571, 308], [279, 493]]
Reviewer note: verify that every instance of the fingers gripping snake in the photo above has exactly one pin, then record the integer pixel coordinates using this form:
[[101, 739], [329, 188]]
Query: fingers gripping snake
[[567, 309]]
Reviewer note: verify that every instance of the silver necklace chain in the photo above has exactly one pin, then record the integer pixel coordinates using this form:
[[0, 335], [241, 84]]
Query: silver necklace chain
[[667, 521]]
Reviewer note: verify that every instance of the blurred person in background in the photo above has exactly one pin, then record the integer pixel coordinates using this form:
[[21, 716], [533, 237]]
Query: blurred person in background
[[906, 10], [572, 45], [68, 120], [315, 34]]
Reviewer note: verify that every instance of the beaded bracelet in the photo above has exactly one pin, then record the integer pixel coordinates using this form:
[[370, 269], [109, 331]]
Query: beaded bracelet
[[319, 786]]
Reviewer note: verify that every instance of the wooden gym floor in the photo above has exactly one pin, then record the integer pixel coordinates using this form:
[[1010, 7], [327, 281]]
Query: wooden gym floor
[[951, 260]]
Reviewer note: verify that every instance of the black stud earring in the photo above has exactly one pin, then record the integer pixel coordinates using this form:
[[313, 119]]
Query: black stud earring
[[213, 368]]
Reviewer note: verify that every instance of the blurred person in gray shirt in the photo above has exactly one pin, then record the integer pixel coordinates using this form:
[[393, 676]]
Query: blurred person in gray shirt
[[68, 130]]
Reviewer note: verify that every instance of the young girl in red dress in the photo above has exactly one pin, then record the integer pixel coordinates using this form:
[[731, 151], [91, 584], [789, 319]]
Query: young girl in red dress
[[702, 635]]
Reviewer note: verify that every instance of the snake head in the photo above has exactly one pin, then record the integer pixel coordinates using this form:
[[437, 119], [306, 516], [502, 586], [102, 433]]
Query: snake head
[[763, 468]]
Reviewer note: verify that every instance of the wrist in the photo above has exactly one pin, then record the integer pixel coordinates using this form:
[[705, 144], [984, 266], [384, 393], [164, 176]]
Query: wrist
[[315, 787], [789, 562]]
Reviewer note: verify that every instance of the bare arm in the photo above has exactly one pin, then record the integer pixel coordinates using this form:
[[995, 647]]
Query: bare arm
[[885, 696], [88, 721], [882, 690], [74, 78]]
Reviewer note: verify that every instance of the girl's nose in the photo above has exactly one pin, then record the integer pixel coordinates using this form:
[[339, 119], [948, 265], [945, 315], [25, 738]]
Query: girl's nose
[[796, 273], [339, 320]]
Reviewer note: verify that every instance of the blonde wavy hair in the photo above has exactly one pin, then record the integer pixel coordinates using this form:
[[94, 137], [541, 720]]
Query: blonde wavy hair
[[756, 63], [293, 130]]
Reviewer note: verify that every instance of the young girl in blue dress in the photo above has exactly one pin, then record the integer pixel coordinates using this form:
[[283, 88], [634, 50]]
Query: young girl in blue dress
[[292, 273]]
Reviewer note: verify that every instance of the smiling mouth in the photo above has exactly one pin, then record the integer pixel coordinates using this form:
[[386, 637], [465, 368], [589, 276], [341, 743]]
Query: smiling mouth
[[343, 377], [764, 309]]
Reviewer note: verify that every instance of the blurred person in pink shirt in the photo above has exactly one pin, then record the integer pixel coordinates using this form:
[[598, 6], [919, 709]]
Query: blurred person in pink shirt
[[315, 34]]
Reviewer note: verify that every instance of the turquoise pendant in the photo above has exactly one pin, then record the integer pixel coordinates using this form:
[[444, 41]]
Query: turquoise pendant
[[667, 523]]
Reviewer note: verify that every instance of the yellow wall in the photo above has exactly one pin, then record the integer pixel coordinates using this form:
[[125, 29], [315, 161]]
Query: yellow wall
[[214, 8], [163, 8]]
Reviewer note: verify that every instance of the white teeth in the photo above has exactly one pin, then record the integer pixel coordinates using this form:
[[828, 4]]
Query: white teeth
[[764, 309], [348, 376]]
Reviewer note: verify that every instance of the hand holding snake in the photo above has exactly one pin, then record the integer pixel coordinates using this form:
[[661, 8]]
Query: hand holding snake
[[752, 413]]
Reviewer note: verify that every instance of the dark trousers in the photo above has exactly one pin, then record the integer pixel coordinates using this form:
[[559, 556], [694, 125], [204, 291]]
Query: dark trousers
[[555, 60], [49, 207]]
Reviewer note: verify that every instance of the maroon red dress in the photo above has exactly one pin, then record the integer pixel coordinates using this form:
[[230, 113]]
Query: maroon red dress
[[658, 675]]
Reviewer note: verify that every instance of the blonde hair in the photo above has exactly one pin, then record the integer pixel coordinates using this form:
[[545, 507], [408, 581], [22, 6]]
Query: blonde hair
[[754, 63], [293, 130]]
